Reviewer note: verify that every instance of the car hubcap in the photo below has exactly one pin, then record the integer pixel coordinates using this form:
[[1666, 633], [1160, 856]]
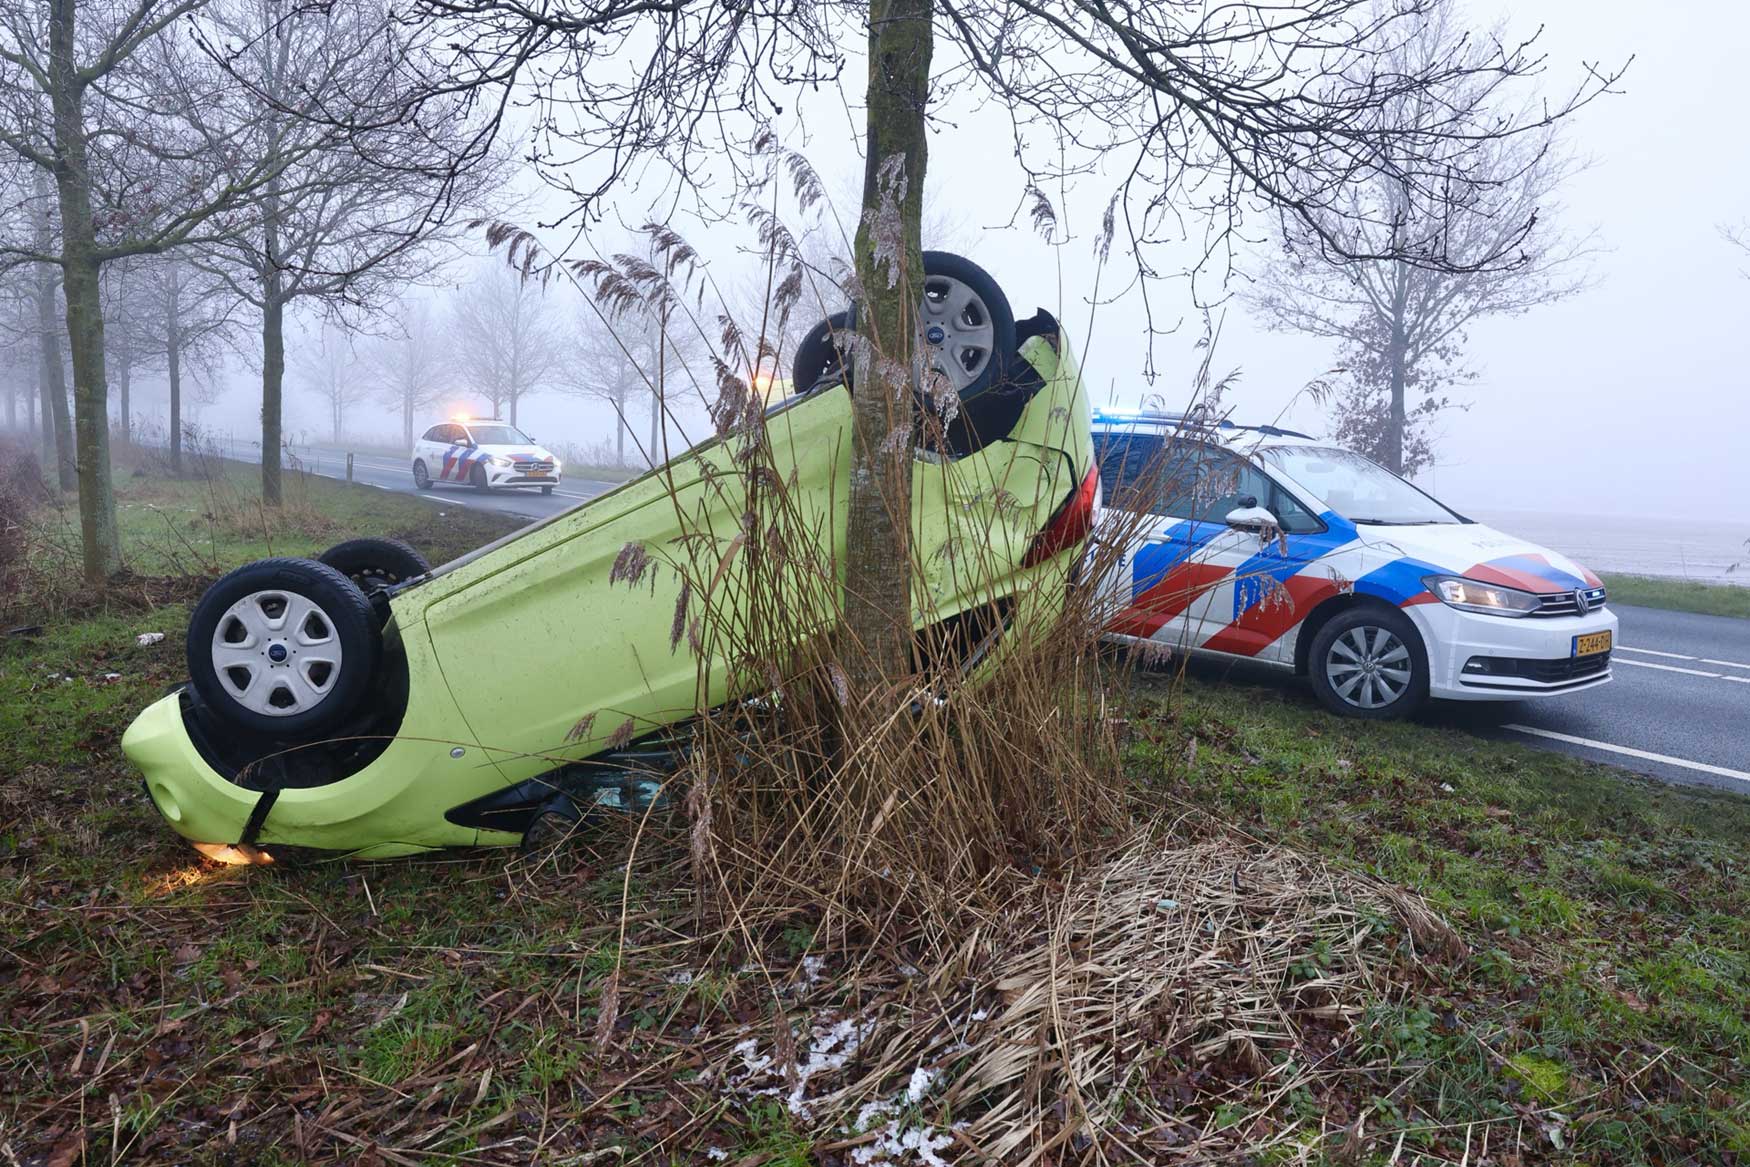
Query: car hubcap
[[1368, 667], [957, 315], [276, 653]]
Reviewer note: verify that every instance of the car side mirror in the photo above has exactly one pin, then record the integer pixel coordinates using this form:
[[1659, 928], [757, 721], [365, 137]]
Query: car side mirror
[[1249, 516]]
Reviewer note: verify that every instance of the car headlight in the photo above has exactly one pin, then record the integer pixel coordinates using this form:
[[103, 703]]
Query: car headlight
[[1471, 595], [558, 465], [498, 460]]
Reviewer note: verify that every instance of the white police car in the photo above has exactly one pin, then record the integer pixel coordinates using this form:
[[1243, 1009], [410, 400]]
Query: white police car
[[1259, 543], [484, 453]]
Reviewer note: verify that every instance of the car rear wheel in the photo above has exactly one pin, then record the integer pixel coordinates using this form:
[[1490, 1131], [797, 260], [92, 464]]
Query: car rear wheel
[[375, 563], [967, 324], [421, 476], [286, 647], [1369, 662]]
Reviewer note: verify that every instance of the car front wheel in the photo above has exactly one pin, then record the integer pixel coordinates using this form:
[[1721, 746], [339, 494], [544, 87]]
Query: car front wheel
[[1369, 662], [286, 647], [477, 479]]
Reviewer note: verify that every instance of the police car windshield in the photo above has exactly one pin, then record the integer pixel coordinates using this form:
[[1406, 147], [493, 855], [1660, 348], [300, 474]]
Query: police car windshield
[[498, 435], [1359, 490]]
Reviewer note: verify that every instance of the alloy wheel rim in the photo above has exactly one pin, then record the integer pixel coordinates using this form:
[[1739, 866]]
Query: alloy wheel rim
[[276, 653], [1368, 667]]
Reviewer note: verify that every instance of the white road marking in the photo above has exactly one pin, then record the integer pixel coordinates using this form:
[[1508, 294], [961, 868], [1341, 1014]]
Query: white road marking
[[1644, 755], [1729, 664], [1647, 664]]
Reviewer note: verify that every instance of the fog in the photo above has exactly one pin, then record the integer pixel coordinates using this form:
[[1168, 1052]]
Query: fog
[[1628, 399]]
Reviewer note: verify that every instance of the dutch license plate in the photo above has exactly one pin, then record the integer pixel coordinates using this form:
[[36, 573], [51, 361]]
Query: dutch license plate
[[537, 474], [1591, 642]]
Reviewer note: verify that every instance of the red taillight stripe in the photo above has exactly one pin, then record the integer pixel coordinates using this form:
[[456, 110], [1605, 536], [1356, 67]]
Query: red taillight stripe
[[1069, 526]]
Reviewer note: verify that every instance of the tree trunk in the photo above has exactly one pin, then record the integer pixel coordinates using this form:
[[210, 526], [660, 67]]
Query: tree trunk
[[273, 376], [513, 398], [124, 379], [80, 271], [11, 405], [619, 433], [407, 419], [173, 354], [890, 274], [57, 427]]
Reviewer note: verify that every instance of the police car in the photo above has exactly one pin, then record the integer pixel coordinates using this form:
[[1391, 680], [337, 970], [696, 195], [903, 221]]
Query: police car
[[1256, 542], [484, 453]]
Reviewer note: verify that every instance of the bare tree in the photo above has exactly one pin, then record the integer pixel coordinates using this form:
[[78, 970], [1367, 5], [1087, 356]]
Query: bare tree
[[1402, 322], [1739, 237], [347, 223], [328, 366], [410, 367], [1204, 112], [507, 340]]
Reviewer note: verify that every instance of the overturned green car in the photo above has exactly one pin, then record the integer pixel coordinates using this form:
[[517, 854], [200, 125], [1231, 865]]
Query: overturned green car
[[367, 705]]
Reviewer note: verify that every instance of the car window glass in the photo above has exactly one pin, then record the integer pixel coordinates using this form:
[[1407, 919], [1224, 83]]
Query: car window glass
[[434, 434], [1125, 459], [498, 434], [1358, 489]]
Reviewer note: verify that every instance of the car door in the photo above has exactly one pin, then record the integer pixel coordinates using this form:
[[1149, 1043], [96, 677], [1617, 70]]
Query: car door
[[1259, 584], [1160, 574]]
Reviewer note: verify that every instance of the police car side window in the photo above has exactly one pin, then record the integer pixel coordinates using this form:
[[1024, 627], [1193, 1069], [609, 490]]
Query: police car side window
[[1125, 460], [434, 434]]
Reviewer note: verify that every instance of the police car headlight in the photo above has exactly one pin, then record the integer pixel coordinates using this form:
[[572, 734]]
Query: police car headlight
[[498, 460], [558, 465], [1471, 595]]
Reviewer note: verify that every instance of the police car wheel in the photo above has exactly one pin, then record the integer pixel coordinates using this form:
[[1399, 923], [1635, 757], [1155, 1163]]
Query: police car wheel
[[1369, 662], [546, 490], [421, 476], [286, 647], [477, 479], [375, 563]]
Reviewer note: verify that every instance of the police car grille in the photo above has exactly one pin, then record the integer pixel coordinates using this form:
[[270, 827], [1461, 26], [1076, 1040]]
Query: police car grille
[[1564, 604], [524, 465]]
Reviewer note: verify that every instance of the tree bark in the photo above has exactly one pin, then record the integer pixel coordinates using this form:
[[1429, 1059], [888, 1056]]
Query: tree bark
[[407, 418], [273, 377], [173, 355], [57, 426], [80, 269], [890, 276], [124, 380]]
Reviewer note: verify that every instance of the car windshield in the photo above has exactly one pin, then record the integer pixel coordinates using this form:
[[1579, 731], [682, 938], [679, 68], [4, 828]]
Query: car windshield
[[499, 435], [1356, 488]]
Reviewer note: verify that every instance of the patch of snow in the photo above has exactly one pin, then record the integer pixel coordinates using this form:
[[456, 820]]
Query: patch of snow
[[680, 977], [147, 639], [908, 970], [716, 1154], [921, 1081]]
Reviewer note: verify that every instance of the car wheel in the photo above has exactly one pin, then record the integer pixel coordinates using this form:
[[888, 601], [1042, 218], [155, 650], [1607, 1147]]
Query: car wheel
[[375, 563], [824, 355], [286, 647], [546, 490], [421, 476], [477, 479], [1369, 662], [966, 320]]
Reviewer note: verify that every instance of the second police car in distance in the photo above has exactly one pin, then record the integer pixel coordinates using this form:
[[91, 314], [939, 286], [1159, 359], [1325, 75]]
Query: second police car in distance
[[1259, 543], [484, 453]]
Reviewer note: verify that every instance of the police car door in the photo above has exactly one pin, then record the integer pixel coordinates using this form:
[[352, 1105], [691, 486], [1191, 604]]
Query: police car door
[[1161, 574]]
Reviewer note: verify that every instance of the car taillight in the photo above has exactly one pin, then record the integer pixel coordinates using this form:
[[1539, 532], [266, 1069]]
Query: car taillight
[[1069, 526]]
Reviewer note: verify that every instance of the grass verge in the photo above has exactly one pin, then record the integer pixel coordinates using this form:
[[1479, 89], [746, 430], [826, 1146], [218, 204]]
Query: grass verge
[[1679, 595], [467, 1008]]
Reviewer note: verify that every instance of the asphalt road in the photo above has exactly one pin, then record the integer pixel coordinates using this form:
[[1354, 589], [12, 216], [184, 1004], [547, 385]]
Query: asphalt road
[[1677, 710]]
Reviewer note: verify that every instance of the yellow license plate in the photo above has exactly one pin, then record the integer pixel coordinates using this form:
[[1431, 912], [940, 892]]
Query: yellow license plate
[[537, 474], [1591, 642]]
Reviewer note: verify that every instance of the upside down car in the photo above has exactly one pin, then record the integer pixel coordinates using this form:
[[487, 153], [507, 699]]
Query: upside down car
[[369, 705]]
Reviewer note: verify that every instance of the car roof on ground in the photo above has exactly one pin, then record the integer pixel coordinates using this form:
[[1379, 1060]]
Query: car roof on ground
[[1217, 430]]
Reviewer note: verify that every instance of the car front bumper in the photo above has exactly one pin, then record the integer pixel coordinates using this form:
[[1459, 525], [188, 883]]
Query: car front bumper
[[497, 476], [1473, 657]]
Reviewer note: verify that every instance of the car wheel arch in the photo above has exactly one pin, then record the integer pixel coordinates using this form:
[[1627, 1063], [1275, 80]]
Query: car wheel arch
[[1329, 609]]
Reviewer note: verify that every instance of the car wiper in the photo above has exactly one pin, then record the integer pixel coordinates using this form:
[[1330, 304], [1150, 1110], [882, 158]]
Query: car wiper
[[1400, 522]]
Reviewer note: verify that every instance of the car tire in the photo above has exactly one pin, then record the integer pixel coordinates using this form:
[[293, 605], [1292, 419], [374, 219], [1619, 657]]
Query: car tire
[[949, 280], [546, 490], [374, 563], [421, 476], [1369, 662], [477, 479], [823, 355], [324, 630]]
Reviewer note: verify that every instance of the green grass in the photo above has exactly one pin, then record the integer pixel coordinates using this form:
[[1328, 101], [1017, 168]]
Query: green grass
[[1605, 993], [1607, 917], [1680, 595]]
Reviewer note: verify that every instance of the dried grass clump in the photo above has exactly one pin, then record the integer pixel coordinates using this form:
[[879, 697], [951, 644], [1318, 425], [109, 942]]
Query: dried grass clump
[[1109, 1016]]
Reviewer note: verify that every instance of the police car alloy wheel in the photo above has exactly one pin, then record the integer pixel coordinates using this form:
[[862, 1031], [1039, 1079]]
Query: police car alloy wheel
[[1369, 662], [283, 646], [421, 476]]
